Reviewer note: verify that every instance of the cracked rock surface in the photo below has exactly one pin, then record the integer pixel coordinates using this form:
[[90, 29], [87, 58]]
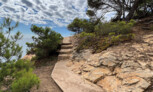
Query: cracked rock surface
[[127, 67]]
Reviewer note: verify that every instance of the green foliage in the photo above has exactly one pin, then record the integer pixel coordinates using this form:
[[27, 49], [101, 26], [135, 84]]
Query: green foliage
[[80, 25], [15, 74], [25, 82], [120, 27], [46, 43], [19, 75], [84, 34], [8, 47], [76, 25], [106, 35]]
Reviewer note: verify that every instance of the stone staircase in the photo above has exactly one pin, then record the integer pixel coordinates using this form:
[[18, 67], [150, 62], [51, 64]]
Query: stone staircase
[[66, 50], [67, 80], [147, 23]]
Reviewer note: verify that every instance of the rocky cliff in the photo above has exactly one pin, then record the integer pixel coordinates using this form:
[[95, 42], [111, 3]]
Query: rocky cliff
[[127, 67]]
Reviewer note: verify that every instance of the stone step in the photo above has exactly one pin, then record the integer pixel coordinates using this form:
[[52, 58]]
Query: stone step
[[65, 51], [68, 43], [66, 46], [146, 28], [71, 82], [63, 57], [151, 22], [148, 23]]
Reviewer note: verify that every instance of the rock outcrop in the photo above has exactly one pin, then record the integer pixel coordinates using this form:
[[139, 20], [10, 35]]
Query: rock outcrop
[[127, 67]]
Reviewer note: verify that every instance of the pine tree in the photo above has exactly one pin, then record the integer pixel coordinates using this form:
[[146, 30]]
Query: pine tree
[[9, 50]]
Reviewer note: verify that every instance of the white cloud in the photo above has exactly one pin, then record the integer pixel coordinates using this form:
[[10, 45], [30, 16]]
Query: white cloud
[[59, 12]]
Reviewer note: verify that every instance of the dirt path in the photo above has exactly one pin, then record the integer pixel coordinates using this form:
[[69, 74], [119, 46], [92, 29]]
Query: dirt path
[[47, 84]]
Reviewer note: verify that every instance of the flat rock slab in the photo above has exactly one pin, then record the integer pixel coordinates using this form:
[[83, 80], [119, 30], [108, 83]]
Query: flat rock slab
[[71, 82]]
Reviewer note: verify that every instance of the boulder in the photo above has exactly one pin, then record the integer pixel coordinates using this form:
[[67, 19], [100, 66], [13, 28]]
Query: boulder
[[110, 84], [109, 59], [76, 67], [96, 74], [146, 74], [131, 81], [129, 65]]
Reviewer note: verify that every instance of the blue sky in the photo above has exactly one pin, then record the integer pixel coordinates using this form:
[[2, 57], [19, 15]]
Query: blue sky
[[56, 14]]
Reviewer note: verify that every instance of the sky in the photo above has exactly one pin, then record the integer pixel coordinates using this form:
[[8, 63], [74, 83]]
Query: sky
[[56, 14]]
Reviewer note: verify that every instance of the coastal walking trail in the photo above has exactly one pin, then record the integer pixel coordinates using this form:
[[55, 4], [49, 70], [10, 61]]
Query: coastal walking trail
[[65, 78]]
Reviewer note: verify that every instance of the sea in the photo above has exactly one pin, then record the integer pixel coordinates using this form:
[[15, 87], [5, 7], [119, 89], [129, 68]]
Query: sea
[[22, 43]]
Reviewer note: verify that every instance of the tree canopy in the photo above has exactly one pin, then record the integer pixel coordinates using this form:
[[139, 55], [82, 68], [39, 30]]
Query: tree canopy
[[8, 48], [46, 42], [125, 9], [79, 25]]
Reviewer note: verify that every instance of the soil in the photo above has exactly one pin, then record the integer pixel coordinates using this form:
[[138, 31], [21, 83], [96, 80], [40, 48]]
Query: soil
[[47, 84]]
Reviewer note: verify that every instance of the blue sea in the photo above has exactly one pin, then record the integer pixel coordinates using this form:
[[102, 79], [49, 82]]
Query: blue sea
[[22, 43]]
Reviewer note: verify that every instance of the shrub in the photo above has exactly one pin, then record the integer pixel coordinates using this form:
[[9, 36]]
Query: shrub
[[106, 35], [46, 43], [10, 63], [25, 82], [18, 76], [84, 34], [81, 25], [120, 27]]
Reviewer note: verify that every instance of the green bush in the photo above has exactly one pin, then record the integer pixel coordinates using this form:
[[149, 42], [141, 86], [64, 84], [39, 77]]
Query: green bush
[[106, 35], [46, 43], [84, 34], [11, 67], [25, 82], [120, 27], [19, 76], [81, 25]]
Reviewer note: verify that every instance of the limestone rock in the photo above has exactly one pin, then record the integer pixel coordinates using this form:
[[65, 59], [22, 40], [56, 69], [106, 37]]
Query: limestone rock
[[110, 84], [109, 59], [130, 80], [84, 55], [94, 60], [28, 57], [129, 66], [148, 36], [77, 66], [96, 74], [88, 68], [146, 74], [95, 63], [151, 65]]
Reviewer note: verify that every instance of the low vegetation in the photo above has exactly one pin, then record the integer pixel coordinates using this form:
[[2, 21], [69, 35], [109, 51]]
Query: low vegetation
[[46, 43], [100, 35], [106, 35], [16, 75], [80, 25]]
